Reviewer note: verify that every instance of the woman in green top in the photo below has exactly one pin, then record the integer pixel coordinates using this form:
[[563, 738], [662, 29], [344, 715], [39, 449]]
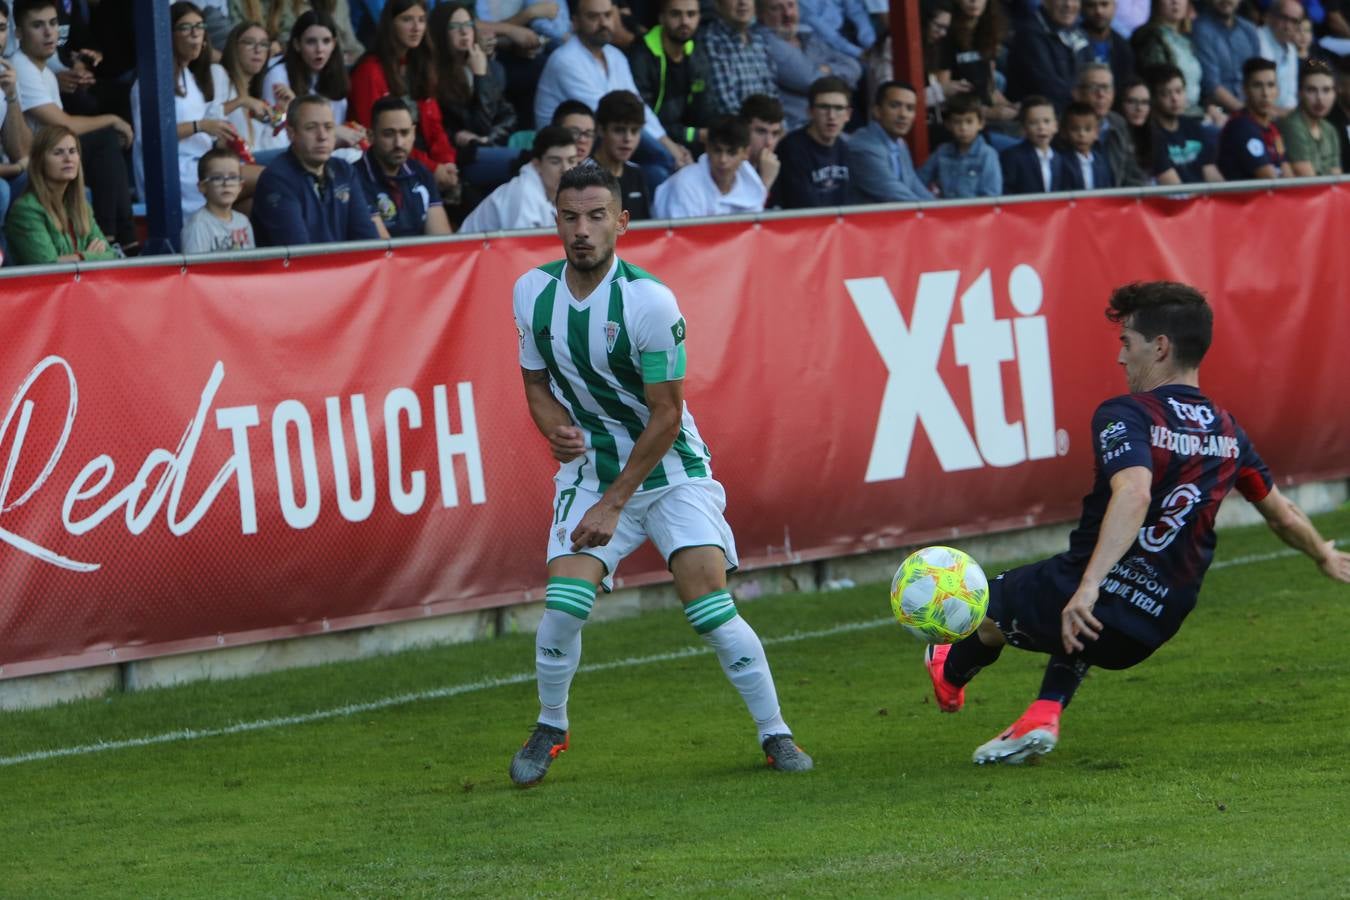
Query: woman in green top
[[52, 221], [1310, 142], [1165, 41]]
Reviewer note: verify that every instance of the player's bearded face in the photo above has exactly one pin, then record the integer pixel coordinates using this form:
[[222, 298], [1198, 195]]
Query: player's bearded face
[[589, 222]]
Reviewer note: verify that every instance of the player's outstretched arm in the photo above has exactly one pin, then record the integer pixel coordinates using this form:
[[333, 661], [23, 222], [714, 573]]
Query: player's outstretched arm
[[1292, 525], [565, 440]]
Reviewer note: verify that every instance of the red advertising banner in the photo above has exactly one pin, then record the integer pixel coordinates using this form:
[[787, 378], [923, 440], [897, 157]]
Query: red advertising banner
[[202, 456]]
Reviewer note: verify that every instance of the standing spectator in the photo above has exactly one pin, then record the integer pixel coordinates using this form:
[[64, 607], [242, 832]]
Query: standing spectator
[[880, 167], [103, 138], [739, 60], [1133, 106], [965, 56], [199, 91], [1309, 140], [256, 118], [799, 57], [764, 114], [1165, 41], [401, 191], [827, 18], [312, 64], [1033, 166], [618, 123], [1250, 145], [671, 72], [471, 91], [966, 166], [218, 227], [577, 118], [51, 222], [1184, 149], [307, 196], [721, 183], [16, 138], [1223, 42], [1087, 159], [1277, 45], [526, 201], [1046, 53], [815, 169], [1105, 44], [403, 64], [1339, 118], [1096, 88]]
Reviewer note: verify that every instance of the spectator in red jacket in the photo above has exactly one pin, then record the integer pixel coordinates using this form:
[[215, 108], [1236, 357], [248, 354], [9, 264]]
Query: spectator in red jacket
[[403, 63]]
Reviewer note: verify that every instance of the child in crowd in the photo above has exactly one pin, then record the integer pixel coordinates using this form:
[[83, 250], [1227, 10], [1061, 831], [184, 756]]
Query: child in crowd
[[966, 166], [1032, 166], [217, 226], [721, 182], [1090, 167]]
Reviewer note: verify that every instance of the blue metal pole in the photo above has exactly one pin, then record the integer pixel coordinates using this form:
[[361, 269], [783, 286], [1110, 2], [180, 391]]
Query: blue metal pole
[[158, 127]]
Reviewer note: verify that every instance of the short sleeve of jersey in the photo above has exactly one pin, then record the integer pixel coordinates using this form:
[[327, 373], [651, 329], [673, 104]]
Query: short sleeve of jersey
[[1247, 150], [657, 330], [527, 288], [1253, 478], [1120, 436]]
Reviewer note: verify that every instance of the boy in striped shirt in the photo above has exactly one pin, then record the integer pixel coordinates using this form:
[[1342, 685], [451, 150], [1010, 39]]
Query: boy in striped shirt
[[603, 359]]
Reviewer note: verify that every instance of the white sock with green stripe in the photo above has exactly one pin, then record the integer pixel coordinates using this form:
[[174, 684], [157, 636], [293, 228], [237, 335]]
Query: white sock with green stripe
[[557, 644], [742, 657]]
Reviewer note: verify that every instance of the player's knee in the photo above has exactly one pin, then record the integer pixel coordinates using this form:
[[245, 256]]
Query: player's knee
[[698, 571], [581, 566]]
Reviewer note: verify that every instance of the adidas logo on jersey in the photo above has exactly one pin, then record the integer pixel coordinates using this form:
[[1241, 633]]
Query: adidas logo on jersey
[[545, 334]]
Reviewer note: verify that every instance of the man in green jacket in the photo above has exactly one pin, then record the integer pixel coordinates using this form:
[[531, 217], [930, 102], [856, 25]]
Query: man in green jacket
[[671, 77]]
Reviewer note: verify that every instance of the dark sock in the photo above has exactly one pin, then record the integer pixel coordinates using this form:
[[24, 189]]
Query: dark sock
[[1062, 677], [967, 658]]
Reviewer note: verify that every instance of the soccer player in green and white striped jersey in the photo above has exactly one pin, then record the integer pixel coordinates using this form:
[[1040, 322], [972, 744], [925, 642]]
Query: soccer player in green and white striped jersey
[[603, 357]]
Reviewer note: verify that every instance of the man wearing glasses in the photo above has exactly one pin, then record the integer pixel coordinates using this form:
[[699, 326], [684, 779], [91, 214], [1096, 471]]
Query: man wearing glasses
[[1277, 45], [815, 159]]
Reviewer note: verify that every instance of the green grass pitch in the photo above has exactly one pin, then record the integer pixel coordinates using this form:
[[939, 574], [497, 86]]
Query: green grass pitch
[[1216, 768]]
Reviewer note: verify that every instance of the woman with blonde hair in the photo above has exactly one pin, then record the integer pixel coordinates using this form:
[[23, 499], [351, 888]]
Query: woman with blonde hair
[[257, 118], [52, 222]]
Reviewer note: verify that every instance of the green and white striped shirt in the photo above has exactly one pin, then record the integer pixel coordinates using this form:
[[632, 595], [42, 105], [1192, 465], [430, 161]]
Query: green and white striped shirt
[[599, 352]]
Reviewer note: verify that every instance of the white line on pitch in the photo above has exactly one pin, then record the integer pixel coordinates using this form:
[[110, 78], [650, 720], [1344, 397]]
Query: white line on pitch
[[192, 734]]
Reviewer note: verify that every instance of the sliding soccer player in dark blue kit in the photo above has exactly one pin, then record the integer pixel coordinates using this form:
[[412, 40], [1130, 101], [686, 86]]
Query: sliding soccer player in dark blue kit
[[1166, 455]]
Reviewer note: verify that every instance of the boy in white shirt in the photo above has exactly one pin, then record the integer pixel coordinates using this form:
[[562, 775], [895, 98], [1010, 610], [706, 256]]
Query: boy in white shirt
[[721, 183], [217, 227]]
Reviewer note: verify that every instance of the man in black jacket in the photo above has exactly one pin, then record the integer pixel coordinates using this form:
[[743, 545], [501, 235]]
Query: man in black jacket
[[1046, 53], [670, 75]]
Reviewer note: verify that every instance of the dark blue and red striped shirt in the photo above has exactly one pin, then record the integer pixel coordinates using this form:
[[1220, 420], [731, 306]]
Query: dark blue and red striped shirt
[[1197, 453]]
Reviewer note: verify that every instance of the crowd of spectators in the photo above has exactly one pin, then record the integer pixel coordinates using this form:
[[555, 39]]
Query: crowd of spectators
[[308, 121]]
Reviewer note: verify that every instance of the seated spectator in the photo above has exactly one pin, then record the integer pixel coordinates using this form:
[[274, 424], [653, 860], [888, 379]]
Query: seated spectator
[[1165, 41], [671, 72], [51, 222], [1311, 143], [1250, 145], [218, 227], [1087, 158], [1339, 118], [401, 191], [103, 138], [526, 201], [258, 119], [618, 123], [966, 166], [199, 92], [524, 35], [1105, 44], [1133, 106], [1033, 166], [1223, 42], [16, 138], [589, 67], [1183, 148], [739, 63], [1046, 52], [470, 86], [577, 118], [965, 57], [1277, 45], [721, 183], [827, 19], [307, 196], [814, 159], [799, 57], [764, 114], [312, 64], [880, 167], [404, 64], [1096, 87], [279, 18]]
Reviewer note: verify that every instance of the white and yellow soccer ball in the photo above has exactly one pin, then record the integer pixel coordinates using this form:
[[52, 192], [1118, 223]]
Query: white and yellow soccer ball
[[939, 595]]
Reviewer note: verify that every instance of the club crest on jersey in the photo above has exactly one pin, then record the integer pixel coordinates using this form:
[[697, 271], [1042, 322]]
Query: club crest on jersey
[[561, 533], [612, 330]]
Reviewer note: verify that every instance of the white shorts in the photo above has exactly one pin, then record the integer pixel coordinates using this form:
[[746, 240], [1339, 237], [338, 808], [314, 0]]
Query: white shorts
[[675, 518]]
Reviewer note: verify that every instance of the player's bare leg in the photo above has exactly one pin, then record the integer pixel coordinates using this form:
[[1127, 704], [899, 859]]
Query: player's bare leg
[[701, 582]]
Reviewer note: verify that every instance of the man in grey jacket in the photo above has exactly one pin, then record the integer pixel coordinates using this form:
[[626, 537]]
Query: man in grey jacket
[[799, 57], [1095, 86], [881, 168]]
